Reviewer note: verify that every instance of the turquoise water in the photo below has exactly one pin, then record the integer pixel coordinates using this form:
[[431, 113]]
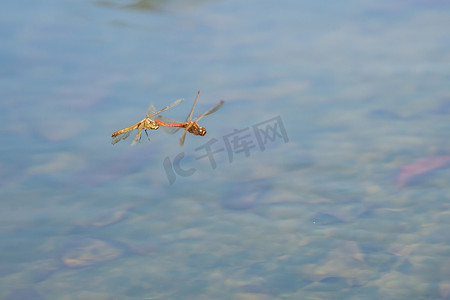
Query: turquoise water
[[324, 176]]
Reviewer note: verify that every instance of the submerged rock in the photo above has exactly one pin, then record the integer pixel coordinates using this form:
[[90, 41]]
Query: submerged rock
[[89, 251], [410, 171], [323, 218], [245, 195], [102, 219], [444, 289]]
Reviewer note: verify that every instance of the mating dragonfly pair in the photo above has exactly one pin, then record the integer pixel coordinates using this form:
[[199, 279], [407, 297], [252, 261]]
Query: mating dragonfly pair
[[170, 126]]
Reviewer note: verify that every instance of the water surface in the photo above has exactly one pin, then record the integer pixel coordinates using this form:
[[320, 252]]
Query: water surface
[[324, 176]]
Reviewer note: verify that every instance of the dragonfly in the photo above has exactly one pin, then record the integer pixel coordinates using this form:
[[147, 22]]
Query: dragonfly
[[145, 124], [172, 126]]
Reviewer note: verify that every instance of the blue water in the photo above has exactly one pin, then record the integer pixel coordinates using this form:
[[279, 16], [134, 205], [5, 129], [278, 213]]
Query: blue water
[[324, 176]]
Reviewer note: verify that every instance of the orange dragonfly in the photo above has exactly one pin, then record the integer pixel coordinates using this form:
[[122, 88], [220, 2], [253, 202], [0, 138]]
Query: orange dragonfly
[[146, 124], [188, 125]]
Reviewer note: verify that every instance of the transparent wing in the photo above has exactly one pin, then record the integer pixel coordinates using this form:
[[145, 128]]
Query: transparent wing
[[183, 137], [189, 117], [213, 109], [151, 114], [137, 138], [124, 133], [121, 136], [150, 111], [169, 129]]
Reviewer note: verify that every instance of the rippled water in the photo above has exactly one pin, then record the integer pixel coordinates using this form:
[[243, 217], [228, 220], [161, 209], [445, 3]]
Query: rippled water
[[324, 176]]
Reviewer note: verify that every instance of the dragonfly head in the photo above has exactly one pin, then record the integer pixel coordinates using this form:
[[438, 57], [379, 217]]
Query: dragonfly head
[[202, 131]]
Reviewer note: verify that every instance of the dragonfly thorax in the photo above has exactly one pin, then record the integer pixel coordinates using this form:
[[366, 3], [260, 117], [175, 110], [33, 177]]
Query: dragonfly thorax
[[150, 124], [194, 128]]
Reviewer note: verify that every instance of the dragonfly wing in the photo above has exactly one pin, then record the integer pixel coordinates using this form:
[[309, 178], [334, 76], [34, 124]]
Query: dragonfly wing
[[151, 111], [169, 129], [183, 137], [189, 117], [213, 109], [121, 136], [167, 107], [137, 138]]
